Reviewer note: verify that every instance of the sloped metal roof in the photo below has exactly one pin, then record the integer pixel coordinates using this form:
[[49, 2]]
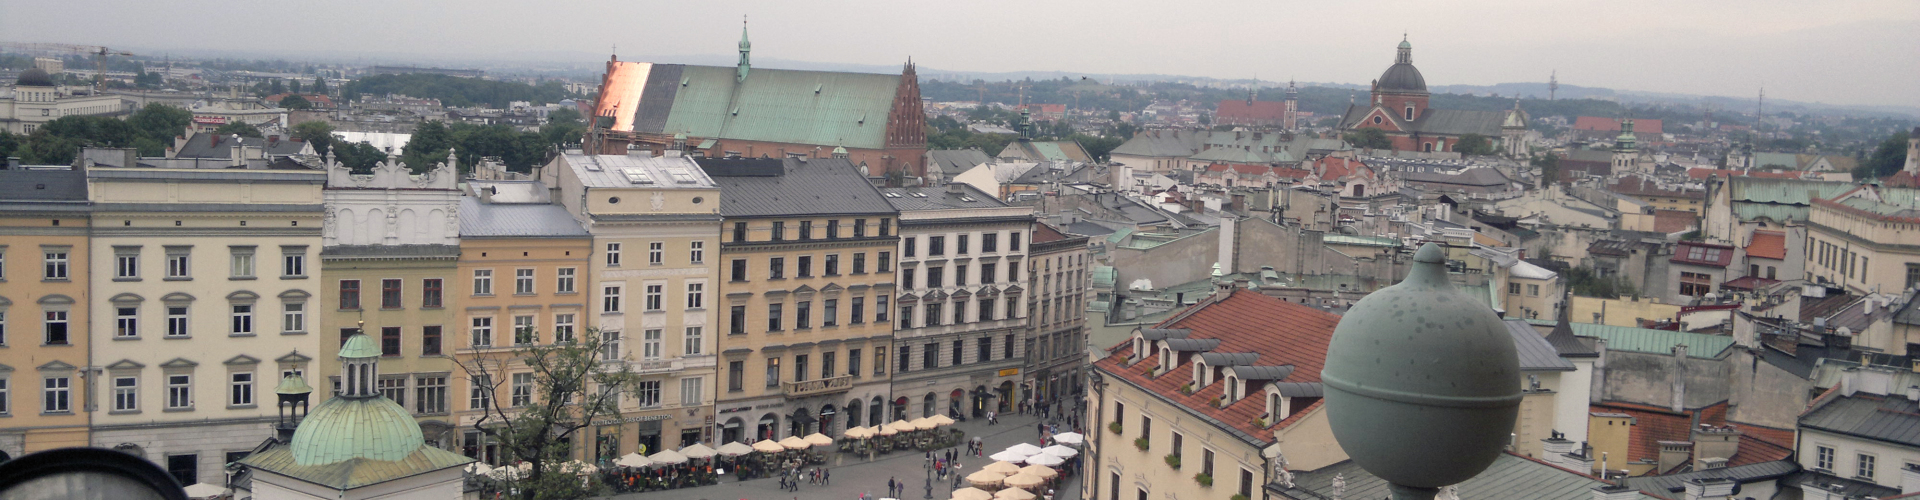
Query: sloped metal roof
[[1510, 477], [817, 186], [1890, 419], [1229, 358], [772, 105], [1535, 353], [1155, 334], [940, 198], [1677, 483], [1621, 338], [358, 472], [1274, 373], [483, 220]]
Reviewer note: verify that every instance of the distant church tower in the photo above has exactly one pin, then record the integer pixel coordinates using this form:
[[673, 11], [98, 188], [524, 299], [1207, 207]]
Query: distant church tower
[[1913, 152], [1513, 132], [740, 72], [1626, 157], [1289, 120]]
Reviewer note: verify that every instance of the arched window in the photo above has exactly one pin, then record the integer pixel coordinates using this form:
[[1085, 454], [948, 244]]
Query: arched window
[[1428, 147], [1233, 390], [926, 405], [1409, 111]]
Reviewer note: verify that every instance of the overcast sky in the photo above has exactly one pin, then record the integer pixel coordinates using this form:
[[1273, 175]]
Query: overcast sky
[[1841, 52]]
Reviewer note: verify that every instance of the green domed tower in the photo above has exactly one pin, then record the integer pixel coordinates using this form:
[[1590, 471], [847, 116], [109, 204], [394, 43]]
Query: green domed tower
[[356, 439]]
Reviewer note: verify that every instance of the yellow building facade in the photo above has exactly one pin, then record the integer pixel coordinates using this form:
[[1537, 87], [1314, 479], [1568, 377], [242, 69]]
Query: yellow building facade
[[44, 390]]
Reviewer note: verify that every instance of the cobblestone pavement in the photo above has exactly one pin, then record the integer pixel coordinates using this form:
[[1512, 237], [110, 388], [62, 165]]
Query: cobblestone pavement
[[854, 476]]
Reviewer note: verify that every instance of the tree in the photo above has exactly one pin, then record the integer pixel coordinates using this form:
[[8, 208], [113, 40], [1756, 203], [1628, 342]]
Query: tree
[[570, 389], [275, 87], [1549, 166], [358, 156], [1371, 138], [148, 80], [428, 145], [317, 133], [1885, 160], [8, 143], [320, 85], [295, 102], [293, 86], [1474, 145], [161, 122], [566, 115], [244, 129]]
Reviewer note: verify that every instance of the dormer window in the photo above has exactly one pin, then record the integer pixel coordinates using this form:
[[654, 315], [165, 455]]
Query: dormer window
[[1409, 112], [1275, 406], [1233, 391], [1199, 368]]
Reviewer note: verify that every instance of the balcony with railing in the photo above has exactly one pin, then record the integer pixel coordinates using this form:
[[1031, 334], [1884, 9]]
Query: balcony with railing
[[816, 387]]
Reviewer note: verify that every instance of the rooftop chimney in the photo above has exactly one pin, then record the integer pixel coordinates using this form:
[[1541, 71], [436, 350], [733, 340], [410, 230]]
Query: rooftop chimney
[[1615, 492], [1710, 488], [1909, 479]]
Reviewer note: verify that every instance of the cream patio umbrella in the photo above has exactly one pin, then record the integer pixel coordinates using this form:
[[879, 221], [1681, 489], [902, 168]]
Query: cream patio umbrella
[[668, 457], [633, 460], [1005, 469], [924, 423], [885, 430], [940, 420], [972, 494], [735, 449], [1070, 438], [1024, 449], [794, 443], [1013, 494], [1039, 470], [818, 439], [1060, 451], [858, 433], [768, 446], [1008, 456], [1025, 481], [698, 451], [1046, 460], [901, 426], [986, 478]]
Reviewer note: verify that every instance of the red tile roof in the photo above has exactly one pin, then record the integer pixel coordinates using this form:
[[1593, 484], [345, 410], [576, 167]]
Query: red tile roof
[[1653, 424], [1043, 233], [1595, 123], [1768, 244], [1232, 110], [1673, 221], [1639, 186], [1334, 168], [1281, 332], [1702, 173]]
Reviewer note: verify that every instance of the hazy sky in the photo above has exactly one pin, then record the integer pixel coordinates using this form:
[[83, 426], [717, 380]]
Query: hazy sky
[[1843, 52]]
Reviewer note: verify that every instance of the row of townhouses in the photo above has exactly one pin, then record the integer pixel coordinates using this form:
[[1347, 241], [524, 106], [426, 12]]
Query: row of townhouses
[[154, 310]]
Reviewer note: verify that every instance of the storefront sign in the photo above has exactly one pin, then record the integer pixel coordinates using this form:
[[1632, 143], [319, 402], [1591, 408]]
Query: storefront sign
[[643, 418], [1009, 372]]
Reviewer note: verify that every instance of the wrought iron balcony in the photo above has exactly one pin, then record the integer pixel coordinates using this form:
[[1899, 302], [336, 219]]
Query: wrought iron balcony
[[816, 387]]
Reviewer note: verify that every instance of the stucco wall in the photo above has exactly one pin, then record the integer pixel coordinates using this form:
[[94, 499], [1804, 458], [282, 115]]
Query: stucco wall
[[1180, 261], [1648, 379], [1764, 394]]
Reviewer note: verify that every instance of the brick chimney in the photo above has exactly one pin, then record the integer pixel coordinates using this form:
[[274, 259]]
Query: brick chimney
[[1719, 488], [1714, 443]]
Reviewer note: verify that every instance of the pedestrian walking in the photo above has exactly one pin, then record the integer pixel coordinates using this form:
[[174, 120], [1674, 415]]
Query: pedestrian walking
[[826, 477], [891, 483]]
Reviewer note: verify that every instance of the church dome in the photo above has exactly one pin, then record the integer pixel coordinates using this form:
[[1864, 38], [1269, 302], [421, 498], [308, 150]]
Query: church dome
[[35, 77], [343, 429], [1402, 76]]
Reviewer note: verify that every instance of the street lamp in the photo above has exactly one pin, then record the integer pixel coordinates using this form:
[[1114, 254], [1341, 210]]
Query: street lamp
[[1422, 382]]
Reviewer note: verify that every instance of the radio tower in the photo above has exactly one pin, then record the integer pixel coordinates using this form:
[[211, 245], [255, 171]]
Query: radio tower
[[1553, 84]]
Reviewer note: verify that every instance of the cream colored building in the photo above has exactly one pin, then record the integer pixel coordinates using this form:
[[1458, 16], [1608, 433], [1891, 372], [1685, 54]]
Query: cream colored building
[[1862, 240], [205, 287], [390, 250], [44, 279], [34, 100], [655, 223]]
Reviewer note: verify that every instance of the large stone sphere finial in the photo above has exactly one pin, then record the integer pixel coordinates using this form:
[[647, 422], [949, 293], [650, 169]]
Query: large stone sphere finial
[[1422, 382]]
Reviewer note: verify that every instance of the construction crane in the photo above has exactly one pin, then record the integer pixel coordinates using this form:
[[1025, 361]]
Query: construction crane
[[99, 53]]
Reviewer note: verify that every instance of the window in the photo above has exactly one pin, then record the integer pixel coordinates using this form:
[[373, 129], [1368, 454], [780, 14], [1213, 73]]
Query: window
[[885, 225], [988, 272], [522, 390], [1513, 289], [985, 312], [694, 343], [906, 278], [56, 265], [961, 247], [806, 230], [906, 357], [1006, 348], [879, 360], [650, 343], [179, 392], [240, 389], [859, 228], [523, 331], [126, 322], [394, 389], [773, 372], [779, 231], [880, 309], [955, 354], [349, 295], [58, 396], [959, 312], [696, 295], [736, 372], [933, 317], [1206, 459], [1013, 271], [613, 255], [293, 261], [648, 391], [830, 312], [908, 246], [480, 393], [523, 282], [184, 468], [936, 245], [853, 362], [983, 349], [177, 321], [126, 263], [803, 314], [929, 356], [773, 317], [430, 395], [1013, 241], [800, 368], [827, 364], [657, 252], [6, 398], [739, 270], [482, 331], [126, 394], [860, 263], [178, 261], [1695, 284], [697, 252], [1246, 483], [885, 262], [242, 319], [692, 391], [56, 328], [656, 297], [610, 298], [483, 282], [990, 242], [739, 232], [777, 268], [833, 229], [859, 309], [1533, 290], [563, 328], [737, 320], [906, 317], [609, 345], [833, 264], [1866, 467], [430, 340]]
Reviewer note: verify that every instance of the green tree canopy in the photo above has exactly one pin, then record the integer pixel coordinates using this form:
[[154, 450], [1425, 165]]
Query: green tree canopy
[[316, 132], [293, 86], [243, 128], [1885, 160], [1372, 138], [457, 91], [275, 87], [1474, 145], [295, 102], [573, 389], [320, 85]]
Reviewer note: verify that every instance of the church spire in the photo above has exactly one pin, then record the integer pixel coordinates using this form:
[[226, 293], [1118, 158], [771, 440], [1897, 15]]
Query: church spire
[[740, 72], [1406, 51]]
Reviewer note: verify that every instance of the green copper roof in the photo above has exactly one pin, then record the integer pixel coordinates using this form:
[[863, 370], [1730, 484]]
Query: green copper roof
[[342, 429], [1622, 338], [293, 384], [355, 473], [1103, 277], [360, 346], [801, 107]]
